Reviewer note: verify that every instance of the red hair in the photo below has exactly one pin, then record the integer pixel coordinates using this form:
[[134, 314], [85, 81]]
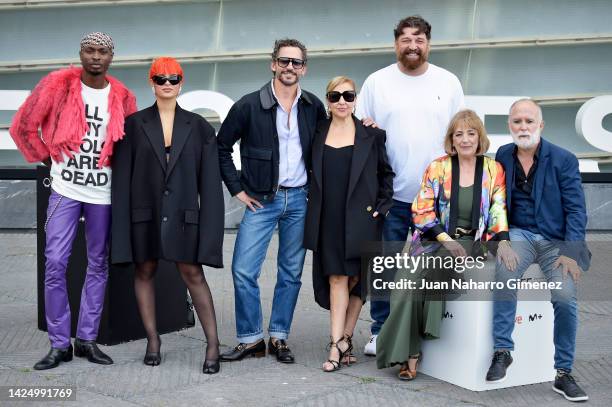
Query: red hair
[[165, 66]]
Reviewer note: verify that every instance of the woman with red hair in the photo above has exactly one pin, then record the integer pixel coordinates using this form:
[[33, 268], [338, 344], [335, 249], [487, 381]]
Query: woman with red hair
[[167, 203]]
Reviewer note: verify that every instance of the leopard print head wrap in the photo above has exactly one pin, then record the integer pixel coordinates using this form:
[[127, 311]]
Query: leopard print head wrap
[[98, 38]]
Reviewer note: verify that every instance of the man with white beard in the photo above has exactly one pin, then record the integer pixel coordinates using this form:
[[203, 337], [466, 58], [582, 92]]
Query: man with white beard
[[547, 217]]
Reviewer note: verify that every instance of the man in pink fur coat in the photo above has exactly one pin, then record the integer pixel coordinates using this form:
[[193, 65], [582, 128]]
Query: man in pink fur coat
[[80, 114]]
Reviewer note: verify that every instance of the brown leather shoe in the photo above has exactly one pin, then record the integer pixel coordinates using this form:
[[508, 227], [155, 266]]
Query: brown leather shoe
[[405, 373]]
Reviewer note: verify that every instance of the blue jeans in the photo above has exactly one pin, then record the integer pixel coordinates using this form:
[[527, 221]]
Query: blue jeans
[[534, 248], [288, 211], [398, 224]]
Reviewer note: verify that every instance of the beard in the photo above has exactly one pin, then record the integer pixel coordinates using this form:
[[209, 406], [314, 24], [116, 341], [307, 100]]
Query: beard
[[287, 80], [531, 142], [412, 64]]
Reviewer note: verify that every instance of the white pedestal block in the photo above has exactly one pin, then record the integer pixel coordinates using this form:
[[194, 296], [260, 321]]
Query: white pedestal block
[[463, 353]]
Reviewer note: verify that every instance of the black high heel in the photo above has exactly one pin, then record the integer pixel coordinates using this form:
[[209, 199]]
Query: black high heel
[[211, 366], [153, 358], [336, 365], [349, 357]]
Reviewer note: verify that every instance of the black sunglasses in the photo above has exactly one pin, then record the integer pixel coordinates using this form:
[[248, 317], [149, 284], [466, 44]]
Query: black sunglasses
[[334, 96], [161, 80], [283, 62]]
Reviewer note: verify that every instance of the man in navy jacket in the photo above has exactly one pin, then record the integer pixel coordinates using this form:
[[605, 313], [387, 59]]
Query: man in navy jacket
[[275, 126], [547, 217]]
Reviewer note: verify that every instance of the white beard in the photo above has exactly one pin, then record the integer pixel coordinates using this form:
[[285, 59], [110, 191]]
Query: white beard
[[533, 140]]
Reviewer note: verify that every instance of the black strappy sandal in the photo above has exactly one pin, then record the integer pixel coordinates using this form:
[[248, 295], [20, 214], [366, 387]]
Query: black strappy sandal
[[336, 363], [349, 357]]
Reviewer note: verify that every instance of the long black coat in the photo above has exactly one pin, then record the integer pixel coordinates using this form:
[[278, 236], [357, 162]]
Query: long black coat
[[370, 189], [167, 210]]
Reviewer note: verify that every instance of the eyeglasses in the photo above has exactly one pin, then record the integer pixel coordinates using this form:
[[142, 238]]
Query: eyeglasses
[[161, 80], [283, 62], [348, 95]]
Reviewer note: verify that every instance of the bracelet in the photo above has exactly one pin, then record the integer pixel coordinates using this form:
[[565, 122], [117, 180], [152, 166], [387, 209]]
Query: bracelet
[[444, 237]]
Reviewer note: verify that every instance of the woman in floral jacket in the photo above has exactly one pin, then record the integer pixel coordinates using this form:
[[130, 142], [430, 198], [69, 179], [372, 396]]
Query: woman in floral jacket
[[462, 198]]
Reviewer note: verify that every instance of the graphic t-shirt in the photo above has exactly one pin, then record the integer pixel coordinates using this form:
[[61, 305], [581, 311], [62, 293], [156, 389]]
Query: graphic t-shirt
[[79, 178]]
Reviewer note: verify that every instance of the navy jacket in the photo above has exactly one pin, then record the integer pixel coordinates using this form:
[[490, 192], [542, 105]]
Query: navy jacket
[[252, 120], [560, 209]]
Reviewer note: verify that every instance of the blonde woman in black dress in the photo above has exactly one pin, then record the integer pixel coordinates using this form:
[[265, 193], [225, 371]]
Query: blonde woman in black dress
[[350, 192]]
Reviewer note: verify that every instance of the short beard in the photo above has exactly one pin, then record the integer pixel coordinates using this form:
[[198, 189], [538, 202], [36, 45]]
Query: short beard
[[532, 142], [411, 64], [279, 76]]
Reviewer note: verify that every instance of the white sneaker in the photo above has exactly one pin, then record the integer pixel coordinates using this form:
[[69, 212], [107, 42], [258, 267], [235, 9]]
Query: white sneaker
[[370, 348]]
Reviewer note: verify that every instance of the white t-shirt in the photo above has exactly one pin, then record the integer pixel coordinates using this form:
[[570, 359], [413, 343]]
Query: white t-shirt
[[79, 178], [415, 112]]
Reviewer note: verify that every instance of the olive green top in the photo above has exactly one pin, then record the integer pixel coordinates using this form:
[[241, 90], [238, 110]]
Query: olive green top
[[466, 195]]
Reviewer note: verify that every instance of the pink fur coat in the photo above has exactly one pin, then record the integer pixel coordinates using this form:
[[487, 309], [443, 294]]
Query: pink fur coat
[[56, 107]]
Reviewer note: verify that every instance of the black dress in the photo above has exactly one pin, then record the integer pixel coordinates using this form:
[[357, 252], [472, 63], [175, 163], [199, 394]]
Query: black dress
[[329, 259]]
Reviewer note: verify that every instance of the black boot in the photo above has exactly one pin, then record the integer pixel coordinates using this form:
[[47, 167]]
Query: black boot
[[53, 358], [90, 350]]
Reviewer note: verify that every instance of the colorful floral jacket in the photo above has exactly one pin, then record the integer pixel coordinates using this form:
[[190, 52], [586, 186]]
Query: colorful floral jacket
[[432, 207]]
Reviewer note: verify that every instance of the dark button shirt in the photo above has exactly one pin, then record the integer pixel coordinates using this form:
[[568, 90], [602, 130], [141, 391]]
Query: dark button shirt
[[522, 213]]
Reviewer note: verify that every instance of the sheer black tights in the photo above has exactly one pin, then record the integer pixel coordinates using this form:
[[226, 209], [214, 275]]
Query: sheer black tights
[[193, 276]]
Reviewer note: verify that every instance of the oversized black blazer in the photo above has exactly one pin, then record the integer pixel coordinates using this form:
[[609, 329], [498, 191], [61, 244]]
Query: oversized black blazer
[[370, 189], [173, 210]]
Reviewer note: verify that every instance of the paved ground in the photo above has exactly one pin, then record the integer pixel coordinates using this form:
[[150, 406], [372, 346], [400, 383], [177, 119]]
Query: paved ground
[[178, 380]]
